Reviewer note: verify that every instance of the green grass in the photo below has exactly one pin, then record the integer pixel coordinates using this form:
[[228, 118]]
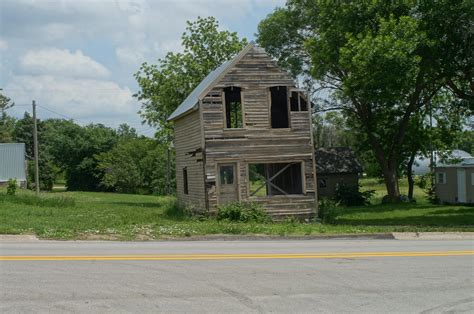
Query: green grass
[[87, 215]]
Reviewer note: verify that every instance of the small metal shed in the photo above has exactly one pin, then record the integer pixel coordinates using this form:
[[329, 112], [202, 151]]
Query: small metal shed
[[455, 182], [12, 163]]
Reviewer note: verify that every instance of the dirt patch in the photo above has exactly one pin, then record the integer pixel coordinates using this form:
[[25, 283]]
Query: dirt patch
[[18, 238]]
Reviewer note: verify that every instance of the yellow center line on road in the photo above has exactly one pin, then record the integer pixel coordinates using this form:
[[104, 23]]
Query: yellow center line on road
[[178, 257]]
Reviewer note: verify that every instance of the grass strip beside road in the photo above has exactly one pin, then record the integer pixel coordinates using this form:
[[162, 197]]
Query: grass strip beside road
[[112, 216], [236, 256]]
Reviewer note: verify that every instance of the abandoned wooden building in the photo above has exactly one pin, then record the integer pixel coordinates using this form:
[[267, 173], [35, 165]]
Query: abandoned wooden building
[[336, 166], [244, 134]]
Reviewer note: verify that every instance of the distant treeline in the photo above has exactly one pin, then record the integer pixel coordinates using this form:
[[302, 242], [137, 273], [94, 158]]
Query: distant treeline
[[92, 157]]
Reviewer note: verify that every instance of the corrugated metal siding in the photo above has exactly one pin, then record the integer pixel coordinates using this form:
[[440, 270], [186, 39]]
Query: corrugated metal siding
[[12, 162]]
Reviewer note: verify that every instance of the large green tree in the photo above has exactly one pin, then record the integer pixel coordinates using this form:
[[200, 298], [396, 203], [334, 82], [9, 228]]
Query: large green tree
[[163, 86], [380, 62], [74, 149], [136, 165]]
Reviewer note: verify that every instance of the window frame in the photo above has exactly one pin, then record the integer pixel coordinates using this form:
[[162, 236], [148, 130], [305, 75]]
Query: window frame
[[443, 175], [300, 94], [185, 181], [269, 91], [224, 110], [302, 175]]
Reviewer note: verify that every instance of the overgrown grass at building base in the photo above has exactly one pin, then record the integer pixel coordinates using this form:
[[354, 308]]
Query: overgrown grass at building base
[[110, 216]]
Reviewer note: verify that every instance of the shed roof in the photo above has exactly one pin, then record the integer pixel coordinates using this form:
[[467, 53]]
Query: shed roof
[[336, 160], [466, 162], [192, 101], [12, 161]]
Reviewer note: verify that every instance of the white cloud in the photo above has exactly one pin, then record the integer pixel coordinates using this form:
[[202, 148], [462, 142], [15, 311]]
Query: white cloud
[[62, 63], [120, 33], [3, 45], [77, 98]]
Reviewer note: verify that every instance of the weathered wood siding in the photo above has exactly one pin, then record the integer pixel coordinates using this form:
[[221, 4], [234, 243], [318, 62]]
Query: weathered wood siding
[[257, 142], [188, 139]]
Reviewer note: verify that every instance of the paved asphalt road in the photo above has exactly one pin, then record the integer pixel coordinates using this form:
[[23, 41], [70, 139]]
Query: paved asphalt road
[[366, 276]]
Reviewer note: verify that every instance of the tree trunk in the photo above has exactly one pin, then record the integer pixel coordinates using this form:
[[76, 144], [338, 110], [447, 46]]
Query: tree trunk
[[389, 171], [411, 180], [391, 182]]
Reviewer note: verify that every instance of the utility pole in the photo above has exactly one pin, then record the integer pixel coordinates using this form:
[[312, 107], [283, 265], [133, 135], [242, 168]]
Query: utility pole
[[35, 145]]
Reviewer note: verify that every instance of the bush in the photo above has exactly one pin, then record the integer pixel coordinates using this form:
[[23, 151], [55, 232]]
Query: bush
[[425, 183], [243, 212], [11, 187], [350, 195], [327, 210]]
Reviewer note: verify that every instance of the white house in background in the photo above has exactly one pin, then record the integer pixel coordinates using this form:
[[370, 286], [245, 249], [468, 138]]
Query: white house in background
[[12, 163], [422, 164]]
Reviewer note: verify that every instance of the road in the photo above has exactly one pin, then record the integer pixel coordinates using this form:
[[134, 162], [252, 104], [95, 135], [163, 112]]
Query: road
[[365, 276]]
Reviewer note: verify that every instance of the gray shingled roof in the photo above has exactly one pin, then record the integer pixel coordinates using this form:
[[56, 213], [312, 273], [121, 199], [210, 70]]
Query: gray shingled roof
[[336, 160], [192, 101]]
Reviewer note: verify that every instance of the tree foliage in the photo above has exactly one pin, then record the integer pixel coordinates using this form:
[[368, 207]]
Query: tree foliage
[[137, 165], [163, 86], [381, 63], [6, 122]]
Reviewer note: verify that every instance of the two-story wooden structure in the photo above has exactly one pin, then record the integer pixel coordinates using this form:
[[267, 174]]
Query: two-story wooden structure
[[244, 134]]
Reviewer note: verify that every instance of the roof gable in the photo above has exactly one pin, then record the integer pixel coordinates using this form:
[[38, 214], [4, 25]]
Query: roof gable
[[191, 102]]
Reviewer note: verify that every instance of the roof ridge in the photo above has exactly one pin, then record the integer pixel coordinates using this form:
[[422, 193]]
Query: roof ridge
[[192, 100]]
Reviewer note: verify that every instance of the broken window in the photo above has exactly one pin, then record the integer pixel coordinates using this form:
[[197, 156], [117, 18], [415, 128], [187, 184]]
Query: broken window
[[226, 174], [233, 107], [298, 102], [185, 180], [279, 107], [275, 179]]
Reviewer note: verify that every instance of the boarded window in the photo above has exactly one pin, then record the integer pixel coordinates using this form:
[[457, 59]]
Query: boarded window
[[298, 102], [185, 180], [279, 107], [275, 179], [233, 108]]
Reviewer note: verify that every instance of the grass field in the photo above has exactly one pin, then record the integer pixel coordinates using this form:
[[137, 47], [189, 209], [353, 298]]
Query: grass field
[[87, 215]]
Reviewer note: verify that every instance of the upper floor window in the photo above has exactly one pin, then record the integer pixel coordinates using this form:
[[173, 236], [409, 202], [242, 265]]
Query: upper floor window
[[233, 107], [279, 107], [298, 102]]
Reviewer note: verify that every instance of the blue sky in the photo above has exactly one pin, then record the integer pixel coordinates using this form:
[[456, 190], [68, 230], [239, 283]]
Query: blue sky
[[77, 58]]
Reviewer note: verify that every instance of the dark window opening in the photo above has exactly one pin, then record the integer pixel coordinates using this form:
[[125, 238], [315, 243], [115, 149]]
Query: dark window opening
[[275, 179], [233, 107], [279, 107], [226, 174], [322, 183], [185, 180], [298, 102]]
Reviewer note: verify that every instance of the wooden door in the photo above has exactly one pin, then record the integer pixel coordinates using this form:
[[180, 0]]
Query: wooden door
[[227, 183]]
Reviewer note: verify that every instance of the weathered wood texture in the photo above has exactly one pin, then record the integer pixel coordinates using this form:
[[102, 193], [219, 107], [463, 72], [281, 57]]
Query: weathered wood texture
[[188, 143], [257, 142]]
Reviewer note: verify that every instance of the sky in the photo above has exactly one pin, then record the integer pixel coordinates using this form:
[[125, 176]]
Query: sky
[[76, 58]]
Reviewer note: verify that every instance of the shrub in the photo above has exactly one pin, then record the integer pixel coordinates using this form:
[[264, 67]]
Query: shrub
[[327, 210], [243, 212], [11, 187], [425, 183], [350, 195]]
